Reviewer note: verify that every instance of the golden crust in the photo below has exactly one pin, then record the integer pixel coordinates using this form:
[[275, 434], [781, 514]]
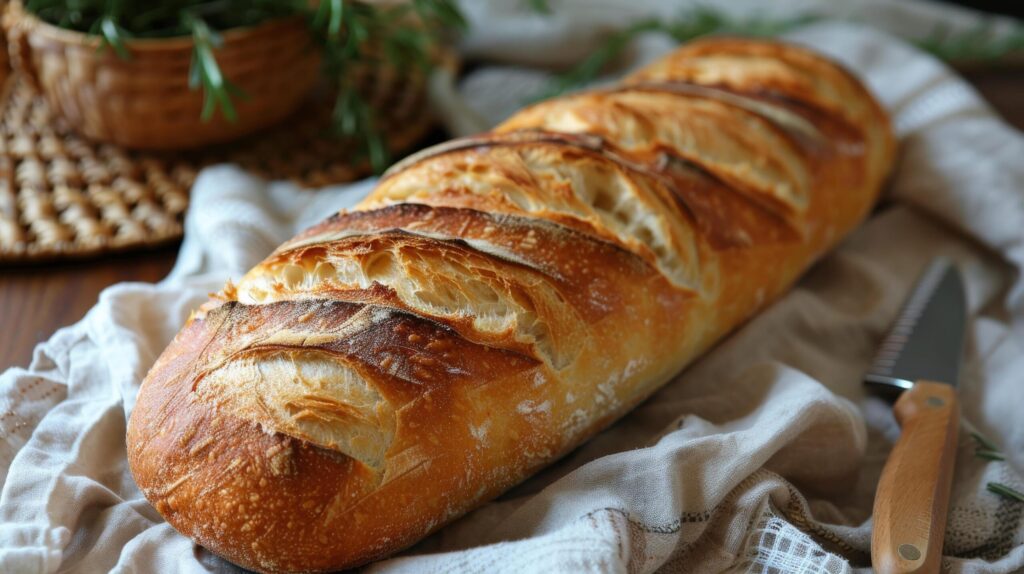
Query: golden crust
[[565, 180], [222, 474], [496, 301], [768, 68]]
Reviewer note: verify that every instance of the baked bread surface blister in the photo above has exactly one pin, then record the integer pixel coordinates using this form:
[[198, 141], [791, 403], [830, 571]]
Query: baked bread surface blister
[[496, 301]]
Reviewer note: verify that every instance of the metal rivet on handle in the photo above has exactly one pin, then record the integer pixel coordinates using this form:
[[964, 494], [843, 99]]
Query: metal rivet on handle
[[909, 552], [935, 401]]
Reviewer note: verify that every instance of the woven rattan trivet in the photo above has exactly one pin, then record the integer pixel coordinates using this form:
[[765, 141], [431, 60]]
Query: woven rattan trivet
[[62, 196]]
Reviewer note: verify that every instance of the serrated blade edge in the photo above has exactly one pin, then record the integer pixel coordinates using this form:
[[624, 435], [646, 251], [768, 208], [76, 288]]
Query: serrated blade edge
[[926, 339]]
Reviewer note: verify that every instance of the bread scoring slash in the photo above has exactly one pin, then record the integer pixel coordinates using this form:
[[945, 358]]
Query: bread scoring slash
[[497, 300]]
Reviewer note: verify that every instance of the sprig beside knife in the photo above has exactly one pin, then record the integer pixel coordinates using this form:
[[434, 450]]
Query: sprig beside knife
[[988, 450]]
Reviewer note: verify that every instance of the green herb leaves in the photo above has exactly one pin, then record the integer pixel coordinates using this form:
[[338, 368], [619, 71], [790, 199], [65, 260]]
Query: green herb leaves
[[205, 72], [1005, 491], [979, 44], [988, 450], [353, 34], [113, 36], [353, 118], [350, 33], [975, 45], [698, 22]]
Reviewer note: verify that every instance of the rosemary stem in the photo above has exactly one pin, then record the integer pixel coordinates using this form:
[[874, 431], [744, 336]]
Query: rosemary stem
[[1005, 491]]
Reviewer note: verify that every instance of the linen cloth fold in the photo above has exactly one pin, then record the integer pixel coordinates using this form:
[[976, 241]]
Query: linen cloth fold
[[762, 456]]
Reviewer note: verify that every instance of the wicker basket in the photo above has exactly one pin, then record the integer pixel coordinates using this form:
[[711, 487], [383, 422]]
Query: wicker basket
[[145, 102]]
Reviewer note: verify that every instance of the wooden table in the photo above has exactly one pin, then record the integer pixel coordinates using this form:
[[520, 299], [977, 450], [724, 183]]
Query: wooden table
[[35, 301]]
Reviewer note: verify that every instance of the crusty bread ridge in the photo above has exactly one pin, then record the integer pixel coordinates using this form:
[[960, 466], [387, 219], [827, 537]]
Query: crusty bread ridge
[[496, 301]]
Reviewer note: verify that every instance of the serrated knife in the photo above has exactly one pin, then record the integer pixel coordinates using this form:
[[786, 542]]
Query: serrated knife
[[919, 360]]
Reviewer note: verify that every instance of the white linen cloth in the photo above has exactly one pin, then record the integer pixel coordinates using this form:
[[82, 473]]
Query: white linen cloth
[[762, 456]]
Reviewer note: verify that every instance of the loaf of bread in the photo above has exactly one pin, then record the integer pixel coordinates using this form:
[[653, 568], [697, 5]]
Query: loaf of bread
[[496, 301]]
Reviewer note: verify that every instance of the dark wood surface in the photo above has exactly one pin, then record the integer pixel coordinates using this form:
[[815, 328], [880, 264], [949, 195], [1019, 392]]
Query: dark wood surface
[[35, 301]]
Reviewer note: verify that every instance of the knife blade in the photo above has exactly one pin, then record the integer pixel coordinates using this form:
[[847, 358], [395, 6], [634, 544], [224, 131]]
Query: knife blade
[[919, 360]]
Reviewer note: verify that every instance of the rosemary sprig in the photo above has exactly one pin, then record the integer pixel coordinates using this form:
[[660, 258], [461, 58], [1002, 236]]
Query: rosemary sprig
[[113, 36], [443, 12], [330, 14], [989, 454], [988, 450], [587, 70], [352, 118], [984, 443], [350, 32], [698, 22], [205, 72], [540, 6], [979, 44], [355, 33], [162, 18], [1005, 491]]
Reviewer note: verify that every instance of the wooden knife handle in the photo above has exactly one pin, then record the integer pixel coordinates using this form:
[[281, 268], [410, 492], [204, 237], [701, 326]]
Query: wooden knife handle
[[913, 492]]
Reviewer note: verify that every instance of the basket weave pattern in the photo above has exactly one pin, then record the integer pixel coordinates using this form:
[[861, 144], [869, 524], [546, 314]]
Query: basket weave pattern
[[59, 192], [145, 101], [63, 196]]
